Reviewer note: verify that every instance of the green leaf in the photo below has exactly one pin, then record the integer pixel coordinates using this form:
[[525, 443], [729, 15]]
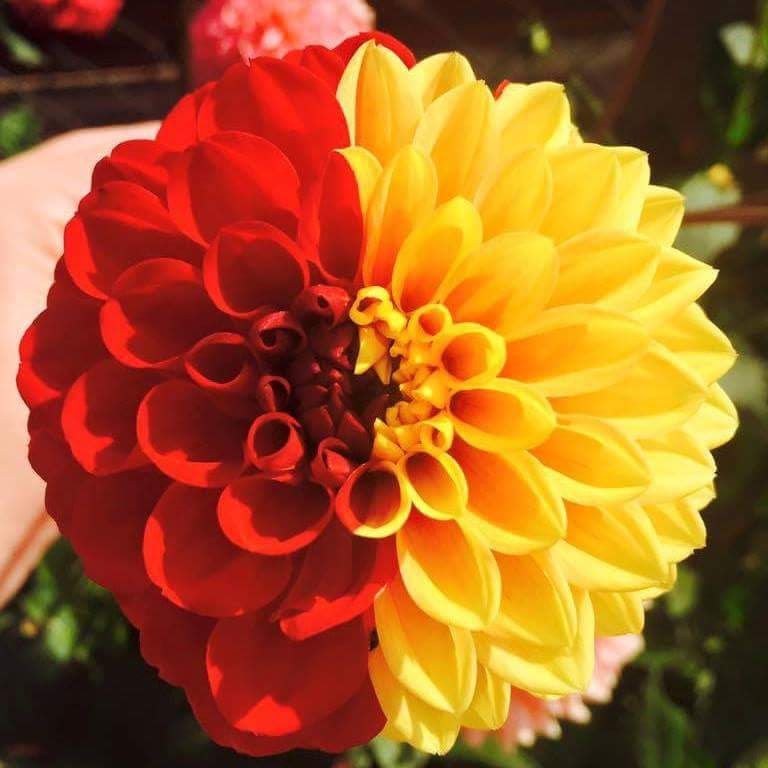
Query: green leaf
[[491, 754], [19, 130], [663, 729], [61, 634], [683, 598], [707, 241], [20, 50]]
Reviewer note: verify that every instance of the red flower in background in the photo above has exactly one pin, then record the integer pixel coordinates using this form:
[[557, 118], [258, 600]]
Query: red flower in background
[[223, 32], [193, 410], [90, 17]]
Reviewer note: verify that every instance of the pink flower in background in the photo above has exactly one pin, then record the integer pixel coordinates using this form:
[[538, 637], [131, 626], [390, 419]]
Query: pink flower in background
[[530, 717], [223, 32], [87, 17]]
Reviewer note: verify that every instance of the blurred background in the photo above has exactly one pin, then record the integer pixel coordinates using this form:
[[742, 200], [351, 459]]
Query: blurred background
[[686, 80]]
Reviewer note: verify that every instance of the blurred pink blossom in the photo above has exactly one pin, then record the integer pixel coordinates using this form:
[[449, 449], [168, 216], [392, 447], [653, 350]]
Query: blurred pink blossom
[[223, 32], [87, 17], [530, 717]]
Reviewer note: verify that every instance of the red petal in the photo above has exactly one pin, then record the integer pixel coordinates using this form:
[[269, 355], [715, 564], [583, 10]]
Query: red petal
[[502, 86], [277, 334], [332, 464], [339, 578], [275, 444], [340, 220], [222, 363], [271, 517], [61, 342], [197, 567], [188, 437], [272, 393], [107, 527], [99, 417], [232, 177], [179, 129], [265, 683], [349, 47], [320, 61], [117, 226], [159, 311], [284, 103], [141, 161], [357, 722], [252, 265]]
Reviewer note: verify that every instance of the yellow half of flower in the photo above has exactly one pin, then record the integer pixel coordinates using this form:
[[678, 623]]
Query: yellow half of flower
[[547, 461]]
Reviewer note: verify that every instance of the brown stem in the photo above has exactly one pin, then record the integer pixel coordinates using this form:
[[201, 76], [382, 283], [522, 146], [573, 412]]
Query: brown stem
[[747, 215], [88, 78], [644, 36]]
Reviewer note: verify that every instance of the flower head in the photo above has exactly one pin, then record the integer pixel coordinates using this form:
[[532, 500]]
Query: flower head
[[90, 17], [223, 32], [371, 395]]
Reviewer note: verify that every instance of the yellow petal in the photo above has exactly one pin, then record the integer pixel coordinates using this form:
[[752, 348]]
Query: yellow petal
[[611, 549], [381, 106], [404, 196], [679, 527], [516, 194], [575, 349], [654, 592], [537, 605], [679, 281], [680, 465], [426, 728], [606, 267], [435, 662], [533, 115], [490, 706], [469, 354], [512, 504], [459, 134], [449, 572], [502, 416], [367, 169], [432, 250], [699, 343], [438, 74], [585, 191], [592, 463], [662, 215], [542, 671], [618, 613], [508, 280], [436, 484], [658, 394], [633, 186], [716, 421]]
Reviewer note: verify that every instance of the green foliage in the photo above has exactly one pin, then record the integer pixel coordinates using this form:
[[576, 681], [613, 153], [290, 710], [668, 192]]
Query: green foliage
[[19, 130]]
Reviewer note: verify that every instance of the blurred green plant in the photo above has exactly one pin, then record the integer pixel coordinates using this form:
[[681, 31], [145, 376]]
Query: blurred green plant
[[19, 130]]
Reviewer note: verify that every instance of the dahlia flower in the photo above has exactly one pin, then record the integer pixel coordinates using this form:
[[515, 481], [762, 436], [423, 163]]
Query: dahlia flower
[[530, 716], [87, 17], [223, 32], [371, 395]]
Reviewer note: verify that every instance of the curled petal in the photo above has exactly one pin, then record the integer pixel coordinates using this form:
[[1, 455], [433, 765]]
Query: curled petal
[[222, 363], [512, 502], [449, 572], [158, 311], [258, 675], [332, 464], [272, 517], [435, 484], [435, 662], [374, 501], [593, 463], [188, 437], [277, 334], [252, 265], [470, 354], [575, 349], [438, 74], [252, 179], [502, 416], [272, 393], [196, 567], [99, 417], [338, 579], [274, 444]]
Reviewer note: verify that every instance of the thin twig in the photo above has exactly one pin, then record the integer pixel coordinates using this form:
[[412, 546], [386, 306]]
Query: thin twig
[[166, 72], [747, 215], [644, 37]]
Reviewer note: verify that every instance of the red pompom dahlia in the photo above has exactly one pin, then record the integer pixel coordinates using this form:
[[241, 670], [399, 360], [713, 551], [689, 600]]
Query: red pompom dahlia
[[88, 17], [194, 409]]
